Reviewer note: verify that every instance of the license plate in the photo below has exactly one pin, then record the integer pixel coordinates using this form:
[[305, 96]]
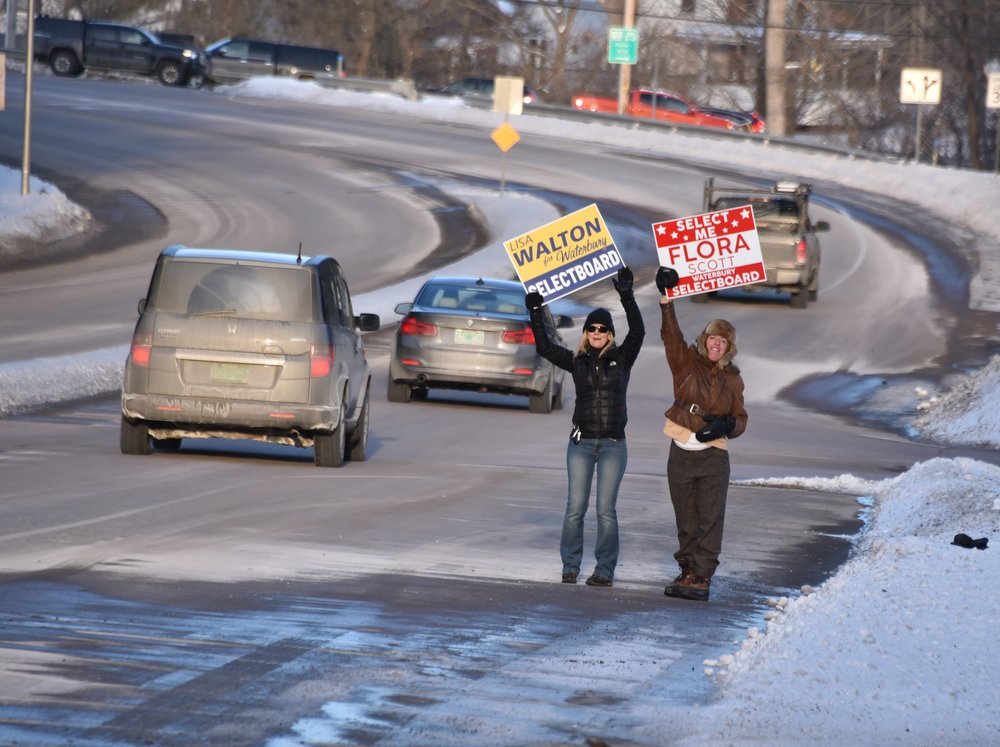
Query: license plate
[[230, 373], [469, 337]]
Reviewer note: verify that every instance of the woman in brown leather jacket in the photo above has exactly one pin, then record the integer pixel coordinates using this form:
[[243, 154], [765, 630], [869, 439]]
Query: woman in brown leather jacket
[[707, 411]]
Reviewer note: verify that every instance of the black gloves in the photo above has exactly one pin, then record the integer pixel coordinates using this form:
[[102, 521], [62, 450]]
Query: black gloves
[[715, 427], [666, 277], [624, 282], [533, 301], [964, 540]]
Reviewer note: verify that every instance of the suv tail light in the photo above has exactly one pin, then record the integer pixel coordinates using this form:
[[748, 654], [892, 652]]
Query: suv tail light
[[321, 361], [800, 252], [141, 347], [413, 326], [523, 336]]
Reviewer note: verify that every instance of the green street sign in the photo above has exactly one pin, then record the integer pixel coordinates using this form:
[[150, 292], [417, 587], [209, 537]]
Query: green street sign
[[623, 45]]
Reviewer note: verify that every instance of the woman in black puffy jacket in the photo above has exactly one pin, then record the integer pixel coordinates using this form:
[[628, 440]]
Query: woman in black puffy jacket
[[600, 370]]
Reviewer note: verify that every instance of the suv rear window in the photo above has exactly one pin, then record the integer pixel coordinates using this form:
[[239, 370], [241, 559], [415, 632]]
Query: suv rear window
[[207, 289]]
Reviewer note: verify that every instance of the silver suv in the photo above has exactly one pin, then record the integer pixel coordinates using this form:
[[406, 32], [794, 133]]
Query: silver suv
[[248, 345]]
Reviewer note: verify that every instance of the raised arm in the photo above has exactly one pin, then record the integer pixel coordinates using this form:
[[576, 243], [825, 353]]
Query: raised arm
[[558, 355], [632, 344]]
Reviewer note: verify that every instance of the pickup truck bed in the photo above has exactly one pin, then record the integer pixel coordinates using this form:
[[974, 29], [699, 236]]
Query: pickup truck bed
[[788, 242]]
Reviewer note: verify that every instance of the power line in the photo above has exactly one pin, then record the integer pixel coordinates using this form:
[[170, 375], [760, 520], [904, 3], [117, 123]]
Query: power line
[[762, 26]]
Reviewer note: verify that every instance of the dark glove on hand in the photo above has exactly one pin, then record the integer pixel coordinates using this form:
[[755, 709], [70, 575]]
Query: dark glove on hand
[[533, 301], [624, 282], [666, 277], [715, 428]]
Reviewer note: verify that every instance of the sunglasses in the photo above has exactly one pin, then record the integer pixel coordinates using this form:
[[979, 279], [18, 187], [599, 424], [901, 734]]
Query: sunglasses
[[599, 328]]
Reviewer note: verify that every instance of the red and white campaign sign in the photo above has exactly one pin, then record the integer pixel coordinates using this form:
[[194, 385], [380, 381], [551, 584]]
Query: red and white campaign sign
[[712, 251]]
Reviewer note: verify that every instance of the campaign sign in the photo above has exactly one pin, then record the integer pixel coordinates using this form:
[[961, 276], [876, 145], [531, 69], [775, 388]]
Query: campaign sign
[[565, 255], [711, 252]]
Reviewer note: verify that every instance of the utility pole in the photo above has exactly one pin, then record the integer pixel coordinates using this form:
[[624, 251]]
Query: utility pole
[[10, 36], [625, 71], [774, 68]]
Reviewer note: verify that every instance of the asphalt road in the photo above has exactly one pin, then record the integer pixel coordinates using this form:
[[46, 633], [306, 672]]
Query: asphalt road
[[232, 593]]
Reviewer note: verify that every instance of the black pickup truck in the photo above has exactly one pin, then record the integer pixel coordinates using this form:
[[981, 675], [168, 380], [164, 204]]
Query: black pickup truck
[[69, 47], [234, 59]]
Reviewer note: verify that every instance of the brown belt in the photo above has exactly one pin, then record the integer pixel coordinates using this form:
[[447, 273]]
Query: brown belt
[[693, 408]]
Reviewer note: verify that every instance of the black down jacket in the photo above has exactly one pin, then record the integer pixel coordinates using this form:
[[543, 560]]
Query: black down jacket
[[601, 381]]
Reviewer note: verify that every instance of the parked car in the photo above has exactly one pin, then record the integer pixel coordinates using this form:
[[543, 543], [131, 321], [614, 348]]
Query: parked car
[[479, 89], [660, 105], [248, 345], [235, 59], [749, 121], [69, 47], [473, 334]]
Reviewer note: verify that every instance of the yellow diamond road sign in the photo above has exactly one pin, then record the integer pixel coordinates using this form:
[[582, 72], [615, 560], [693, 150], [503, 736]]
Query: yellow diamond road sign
[[505, 137]]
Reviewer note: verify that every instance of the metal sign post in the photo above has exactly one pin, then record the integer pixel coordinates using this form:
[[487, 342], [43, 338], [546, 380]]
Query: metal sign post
[[993, 102], [919, 85], [29, 58]]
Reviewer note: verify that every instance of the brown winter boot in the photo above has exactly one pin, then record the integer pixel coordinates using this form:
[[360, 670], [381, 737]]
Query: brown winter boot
[[690, 587], [684, 574]]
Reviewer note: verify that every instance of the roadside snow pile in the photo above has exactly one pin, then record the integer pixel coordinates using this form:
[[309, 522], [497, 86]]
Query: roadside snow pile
[[901, 636], [42, 381], [843, 484], [965, 414], [43, 215]]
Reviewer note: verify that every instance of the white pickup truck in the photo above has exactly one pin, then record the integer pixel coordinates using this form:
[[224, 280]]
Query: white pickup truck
[[788, 241]]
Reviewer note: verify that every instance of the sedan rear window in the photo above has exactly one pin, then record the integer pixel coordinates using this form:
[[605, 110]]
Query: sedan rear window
[[473, 298], [205, 289]]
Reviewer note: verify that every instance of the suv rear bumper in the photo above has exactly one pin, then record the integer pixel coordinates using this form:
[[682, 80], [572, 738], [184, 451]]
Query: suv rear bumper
[[198, 415], [425, 376]]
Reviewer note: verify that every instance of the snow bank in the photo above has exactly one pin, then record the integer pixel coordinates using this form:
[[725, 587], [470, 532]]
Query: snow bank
[[898, 647], [45, 214], [966, 414]]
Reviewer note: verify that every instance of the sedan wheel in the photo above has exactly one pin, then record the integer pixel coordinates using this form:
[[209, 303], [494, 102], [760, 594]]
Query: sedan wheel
[[542, 403], [557, 401], [399, 392]]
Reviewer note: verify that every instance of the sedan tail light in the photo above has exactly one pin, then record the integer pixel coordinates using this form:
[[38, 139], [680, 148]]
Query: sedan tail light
[[321, 361], [141, 347], [801, 251], [413, 326], [523, 336]]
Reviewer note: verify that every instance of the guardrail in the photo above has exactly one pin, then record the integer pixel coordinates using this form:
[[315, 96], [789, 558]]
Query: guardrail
[[406, 89], [643, 123], [398, 87]]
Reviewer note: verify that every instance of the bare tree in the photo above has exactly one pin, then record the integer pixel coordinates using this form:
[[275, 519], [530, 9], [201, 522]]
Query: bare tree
[[560, 15], [964, 36]]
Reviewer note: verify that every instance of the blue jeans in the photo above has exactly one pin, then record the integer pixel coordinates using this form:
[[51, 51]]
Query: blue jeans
[[608, 456]]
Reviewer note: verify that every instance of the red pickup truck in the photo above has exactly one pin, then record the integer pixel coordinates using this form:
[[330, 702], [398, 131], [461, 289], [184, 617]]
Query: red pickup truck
[[671, 108]]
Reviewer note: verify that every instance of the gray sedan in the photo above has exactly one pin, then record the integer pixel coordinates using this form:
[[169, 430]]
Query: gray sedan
[[473, 334]]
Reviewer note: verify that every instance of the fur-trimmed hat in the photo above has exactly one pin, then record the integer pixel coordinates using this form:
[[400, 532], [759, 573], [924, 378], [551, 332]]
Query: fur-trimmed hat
[[718, 328], [600, 316]]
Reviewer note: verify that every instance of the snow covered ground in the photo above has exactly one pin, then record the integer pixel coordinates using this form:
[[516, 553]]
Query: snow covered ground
[[900, 645]]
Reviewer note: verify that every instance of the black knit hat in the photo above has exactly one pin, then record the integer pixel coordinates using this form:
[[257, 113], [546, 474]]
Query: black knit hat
[[600, 316]]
